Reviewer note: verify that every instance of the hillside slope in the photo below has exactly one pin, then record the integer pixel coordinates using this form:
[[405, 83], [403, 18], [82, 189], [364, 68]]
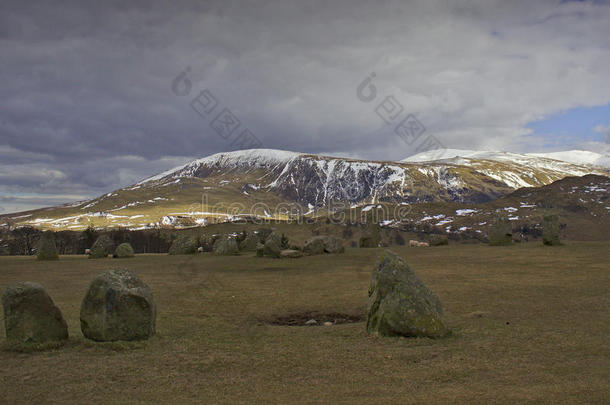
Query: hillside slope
[[582, 204], [267, 183], [577, 157]]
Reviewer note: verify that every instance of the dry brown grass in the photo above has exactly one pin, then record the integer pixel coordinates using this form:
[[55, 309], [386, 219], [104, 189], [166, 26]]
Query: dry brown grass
[[531, 324]]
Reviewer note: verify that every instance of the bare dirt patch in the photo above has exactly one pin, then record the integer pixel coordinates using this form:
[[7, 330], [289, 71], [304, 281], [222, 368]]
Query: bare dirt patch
[[305, 319]]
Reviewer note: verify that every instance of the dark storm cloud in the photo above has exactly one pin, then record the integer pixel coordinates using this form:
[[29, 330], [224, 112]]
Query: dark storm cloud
[[86, 104]]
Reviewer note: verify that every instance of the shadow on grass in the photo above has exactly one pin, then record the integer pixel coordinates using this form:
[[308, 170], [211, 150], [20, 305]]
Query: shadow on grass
[[20, 347], [76, 343]]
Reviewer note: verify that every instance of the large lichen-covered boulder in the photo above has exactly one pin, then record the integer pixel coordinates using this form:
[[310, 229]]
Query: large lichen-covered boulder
[[371, 237], [438, 240], [273, 245], [118, 306], [323, 244], [249, 244], [30, 316], [123, 251], [368, 241], [101, 248], [550, 230], [501, 232], [47, 250], [183, 245], [333, 244], [314, 246], [226, 247], [400, 304], [260, 250]]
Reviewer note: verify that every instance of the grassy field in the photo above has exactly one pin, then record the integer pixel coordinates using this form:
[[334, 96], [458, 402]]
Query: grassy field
[[531, 324]]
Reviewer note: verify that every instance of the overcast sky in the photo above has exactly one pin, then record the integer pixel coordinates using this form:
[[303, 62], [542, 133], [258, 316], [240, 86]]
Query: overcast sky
[[90, 100]]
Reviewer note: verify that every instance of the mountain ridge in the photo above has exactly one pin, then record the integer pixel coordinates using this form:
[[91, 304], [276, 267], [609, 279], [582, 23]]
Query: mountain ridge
[[578, 157], [230, 185]]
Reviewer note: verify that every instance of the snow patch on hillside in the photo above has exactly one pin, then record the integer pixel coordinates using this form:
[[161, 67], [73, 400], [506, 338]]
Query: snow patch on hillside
[[581, 157], [258, 158], [458, 156]]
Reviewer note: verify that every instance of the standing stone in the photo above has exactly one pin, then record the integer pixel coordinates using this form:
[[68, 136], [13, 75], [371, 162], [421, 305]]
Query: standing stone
[[323, 244], [249, 244], [400, 304], [550, 230], [501, 233], [332, 244], [273, 245], [47, 250], [123, 251], [368, 242], [118, 306], [260, 250], [438, 240], [372, 235], [226, 247], [101, 248], [183, 245], [314, 246], [30, 316]]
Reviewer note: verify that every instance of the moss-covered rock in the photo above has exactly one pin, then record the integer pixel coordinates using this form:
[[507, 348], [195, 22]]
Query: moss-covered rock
[[333, 244], [314, 246], [371, 237], [30, 316], [123, 251], [263, 234], [438, 240], [102, 247], [249, 243], [400, 304], [501, 232], [368, 242], [206, 243], [183, 245], [323, 244], [47, 250], [260, 250], [273, 245], [226, 247], [118, 306], [550, 230]]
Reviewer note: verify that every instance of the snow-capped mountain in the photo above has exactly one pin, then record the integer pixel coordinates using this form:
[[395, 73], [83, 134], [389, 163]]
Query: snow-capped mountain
[[581, 157], [577, 157], [256, 182], [317, 180], [249, 158]]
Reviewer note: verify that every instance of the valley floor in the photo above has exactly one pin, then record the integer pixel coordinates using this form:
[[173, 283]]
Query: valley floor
[[530, 324]]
